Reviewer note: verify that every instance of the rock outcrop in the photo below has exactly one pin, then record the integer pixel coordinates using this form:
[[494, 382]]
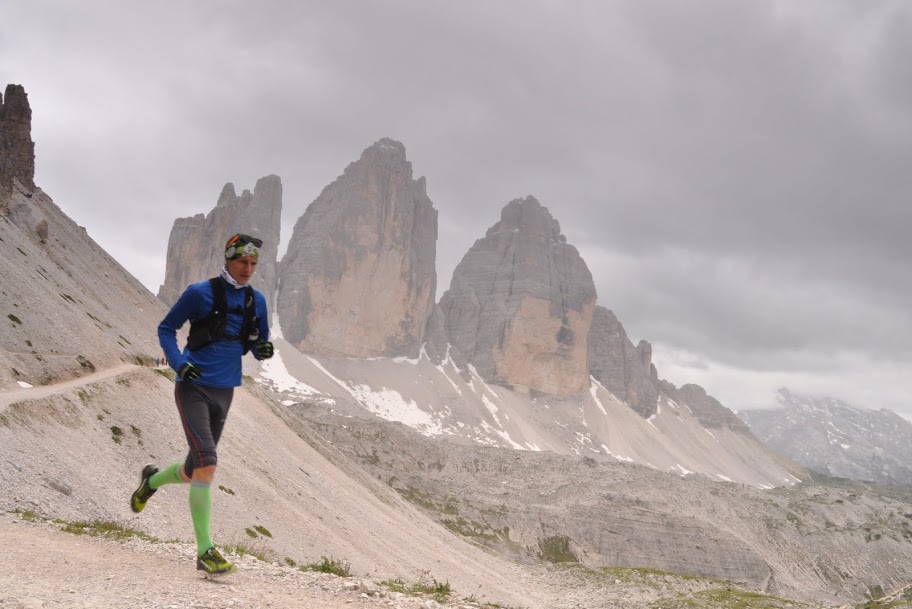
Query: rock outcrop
[[359, 276], [17, 150], [70, 309], [624, 370], [521, 302], [196, 247], [707, 409]]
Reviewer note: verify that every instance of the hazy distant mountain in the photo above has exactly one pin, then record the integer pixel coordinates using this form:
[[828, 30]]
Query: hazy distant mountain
[[836, 438]]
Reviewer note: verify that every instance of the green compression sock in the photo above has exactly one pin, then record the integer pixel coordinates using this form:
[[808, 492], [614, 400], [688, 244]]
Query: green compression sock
[[201, 510], [169, 475]]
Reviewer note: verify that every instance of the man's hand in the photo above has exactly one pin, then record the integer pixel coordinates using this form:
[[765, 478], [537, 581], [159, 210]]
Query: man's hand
[[264, 349], [188, 372]]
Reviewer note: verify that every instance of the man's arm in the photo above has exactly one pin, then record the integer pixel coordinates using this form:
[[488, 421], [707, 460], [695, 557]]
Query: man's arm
[[186, 308], [263, 349]]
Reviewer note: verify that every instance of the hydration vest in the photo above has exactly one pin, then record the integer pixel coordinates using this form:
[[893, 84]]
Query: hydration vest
[[213, 327]]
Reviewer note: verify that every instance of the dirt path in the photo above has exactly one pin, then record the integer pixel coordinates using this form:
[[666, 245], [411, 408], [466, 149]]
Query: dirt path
[[43, 567], [33, 393]]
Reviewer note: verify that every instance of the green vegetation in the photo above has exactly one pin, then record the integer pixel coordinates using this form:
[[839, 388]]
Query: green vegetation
[[85, 363], [95, 528], [426, 500], [258, 529], [901, 599], [328, 565], [107, 529], [440, 592], [640, 575], [226, 490], [116, 434], [725, 598], [84, 396], [137, 432], [28, 515], [166, 372], [242, 550], [68, 297], [479, 531], [14, 319], [556, 549]]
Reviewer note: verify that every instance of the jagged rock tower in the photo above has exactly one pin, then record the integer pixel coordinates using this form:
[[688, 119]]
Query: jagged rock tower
[[624, 370], [359, 276], [521, 302], [196, 247], [17, 150]]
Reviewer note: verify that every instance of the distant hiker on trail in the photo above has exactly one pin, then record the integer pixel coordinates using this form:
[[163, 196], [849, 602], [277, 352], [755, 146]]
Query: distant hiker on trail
[[227, 318]]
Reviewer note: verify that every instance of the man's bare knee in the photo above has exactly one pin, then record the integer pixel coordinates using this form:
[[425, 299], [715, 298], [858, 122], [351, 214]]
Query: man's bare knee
[[204, 474]]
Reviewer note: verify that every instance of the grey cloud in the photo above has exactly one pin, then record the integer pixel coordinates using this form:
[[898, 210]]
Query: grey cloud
[[735, 174]]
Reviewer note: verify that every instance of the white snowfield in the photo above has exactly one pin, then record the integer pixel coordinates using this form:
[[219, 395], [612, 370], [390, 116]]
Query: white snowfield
[[436, 399]]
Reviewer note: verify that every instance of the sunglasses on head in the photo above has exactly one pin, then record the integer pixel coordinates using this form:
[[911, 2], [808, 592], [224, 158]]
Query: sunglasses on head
[[242, 239]]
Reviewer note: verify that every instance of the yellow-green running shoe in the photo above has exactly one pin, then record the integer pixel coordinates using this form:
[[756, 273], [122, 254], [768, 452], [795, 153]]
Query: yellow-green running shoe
[[143, 493], [213, 564]]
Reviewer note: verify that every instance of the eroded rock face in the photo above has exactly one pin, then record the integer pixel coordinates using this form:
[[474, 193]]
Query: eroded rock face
[[196, 247], [359, 276], [17, 150], [708, 410], [624, 370], [521, 302]]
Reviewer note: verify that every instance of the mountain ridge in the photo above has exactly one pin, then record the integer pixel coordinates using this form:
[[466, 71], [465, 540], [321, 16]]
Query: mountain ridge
[[837, 438]]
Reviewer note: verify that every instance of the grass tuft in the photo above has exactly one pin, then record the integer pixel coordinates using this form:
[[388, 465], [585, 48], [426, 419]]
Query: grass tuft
[[328, 565], [439, 591]]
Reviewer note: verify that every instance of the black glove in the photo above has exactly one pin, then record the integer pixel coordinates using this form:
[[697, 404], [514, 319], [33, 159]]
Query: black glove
[[188, 372], [264, 349]]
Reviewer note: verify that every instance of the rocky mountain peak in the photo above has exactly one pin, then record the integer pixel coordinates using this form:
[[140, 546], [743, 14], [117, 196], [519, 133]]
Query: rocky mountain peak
[[520, 304], [196, 244], [359, 276], [708, 410], [837, 438], [228, 195], [529, 217], [18, 158]]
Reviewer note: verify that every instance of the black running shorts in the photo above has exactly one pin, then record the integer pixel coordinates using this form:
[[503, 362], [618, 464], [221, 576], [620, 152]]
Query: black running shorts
[[203, 411]]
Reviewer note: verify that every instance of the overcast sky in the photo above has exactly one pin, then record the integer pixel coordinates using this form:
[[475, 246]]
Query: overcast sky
[[736, 174]]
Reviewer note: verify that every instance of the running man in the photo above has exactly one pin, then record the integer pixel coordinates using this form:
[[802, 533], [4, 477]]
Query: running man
[[227, 319]]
